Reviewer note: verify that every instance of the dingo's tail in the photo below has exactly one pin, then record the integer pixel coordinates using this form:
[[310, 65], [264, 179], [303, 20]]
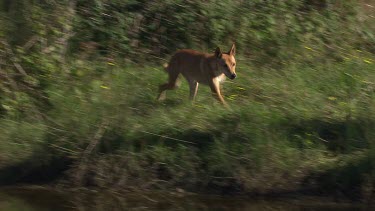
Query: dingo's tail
[[165, 66]]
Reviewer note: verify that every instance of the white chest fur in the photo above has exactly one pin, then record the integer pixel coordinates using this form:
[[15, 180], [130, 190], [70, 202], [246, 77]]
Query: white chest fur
[[221, 78]]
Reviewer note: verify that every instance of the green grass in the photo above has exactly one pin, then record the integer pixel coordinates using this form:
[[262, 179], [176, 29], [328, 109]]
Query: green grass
[[285, 130]]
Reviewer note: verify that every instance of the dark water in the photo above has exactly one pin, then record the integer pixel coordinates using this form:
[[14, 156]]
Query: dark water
[[46, 200]]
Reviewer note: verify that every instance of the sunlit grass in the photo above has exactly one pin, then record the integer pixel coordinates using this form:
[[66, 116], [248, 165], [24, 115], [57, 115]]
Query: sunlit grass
[[282, 125]]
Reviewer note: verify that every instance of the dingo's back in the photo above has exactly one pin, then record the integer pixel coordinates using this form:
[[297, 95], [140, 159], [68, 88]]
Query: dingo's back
[[199, 67]]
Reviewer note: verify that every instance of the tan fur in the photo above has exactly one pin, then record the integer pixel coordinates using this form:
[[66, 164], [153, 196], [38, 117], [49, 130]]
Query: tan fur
[[197, 67]]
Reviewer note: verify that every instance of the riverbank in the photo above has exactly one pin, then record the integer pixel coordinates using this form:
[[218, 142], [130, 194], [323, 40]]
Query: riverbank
[[43, 198], [299, 128]]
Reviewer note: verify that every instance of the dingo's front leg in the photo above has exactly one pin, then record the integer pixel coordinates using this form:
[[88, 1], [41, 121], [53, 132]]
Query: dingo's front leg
[[215, 88], [193, 89]]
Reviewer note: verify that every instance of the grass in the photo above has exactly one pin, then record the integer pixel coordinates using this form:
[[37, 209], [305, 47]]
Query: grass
[[287, 129]]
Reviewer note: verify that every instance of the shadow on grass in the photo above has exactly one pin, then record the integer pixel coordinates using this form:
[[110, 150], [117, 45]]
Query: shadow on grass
[[40, 168], [338, 136], [353, 177]]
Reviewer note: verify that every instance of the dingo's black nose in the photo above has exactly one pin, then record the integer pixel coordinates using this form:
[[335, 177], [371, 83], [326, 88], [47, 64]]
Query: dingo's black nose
[[233, 76]]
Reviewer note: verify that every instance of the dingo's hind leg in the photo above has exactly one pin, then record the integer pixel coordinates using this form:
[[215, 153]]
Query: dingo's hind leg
[[173, 83]]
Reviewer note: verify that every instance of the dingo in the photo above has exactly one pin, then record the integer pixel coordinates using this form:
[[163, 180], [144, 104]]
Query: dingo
[[197, 67]]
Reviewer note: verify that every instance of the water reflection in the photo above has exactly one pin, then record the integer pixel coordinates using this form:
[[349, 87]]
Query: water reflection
[[44, 200]]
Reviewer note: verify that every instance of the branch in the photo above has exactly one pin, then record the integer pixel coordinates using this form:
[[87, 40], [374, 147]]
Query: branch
[[34, 39], [84, 160], [13, 59]]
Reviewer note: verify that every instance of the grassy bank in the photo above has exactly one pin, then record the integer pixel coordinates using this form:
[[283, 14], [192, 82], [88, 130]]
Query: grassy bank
[[300, 127]]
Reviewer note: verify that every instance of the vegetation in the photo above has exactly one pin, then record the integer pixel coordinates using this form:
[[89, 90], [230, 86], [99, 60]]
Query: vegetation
[[79, 80]]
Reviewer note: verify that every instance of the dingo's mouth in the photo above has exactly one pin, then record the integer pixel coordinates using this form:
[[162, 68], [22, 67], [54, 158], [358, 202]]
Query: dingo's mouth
[[233, 76]]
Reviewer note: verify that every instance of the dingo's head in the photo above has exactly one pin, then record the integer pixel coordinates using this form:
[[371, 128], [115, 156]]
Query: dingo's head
[[227, 62]]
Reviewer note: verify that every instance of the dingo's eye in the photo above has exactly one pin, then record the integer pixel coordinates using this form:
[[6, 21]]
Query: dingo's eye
[[234, 64]]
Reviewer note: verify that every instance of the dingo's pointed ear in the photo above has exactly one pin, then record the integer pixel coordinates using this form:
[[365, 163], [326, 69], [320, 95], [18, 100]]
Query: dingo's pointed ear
[[232, 50], [218, 53]]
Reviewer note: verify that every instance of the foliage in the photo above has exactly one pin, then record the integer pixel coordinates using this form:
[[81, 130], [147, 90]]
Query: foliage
[[78, 81], [284, 127]]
